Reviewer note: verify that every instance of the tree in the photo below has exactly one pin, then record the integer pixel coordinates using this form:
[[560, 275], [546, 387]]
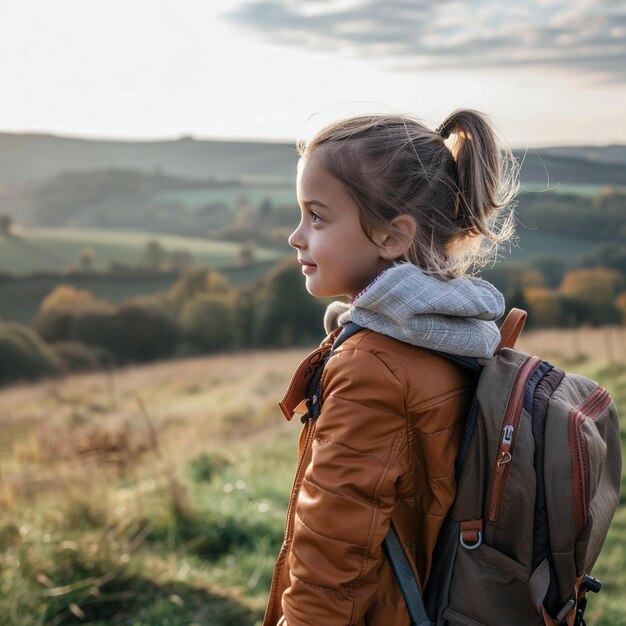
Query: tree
[[551, 268], [612, 255], [207, 321], [154, 255], [621, 305], [265, 208], [178, 260], [513, 278], [6, 222], [195, 281], [23, 355], [151, 331], [61, 310], [286, 314], [593, 284], [590, 293], [86, 259], [247, 253], [68, 297], [544, 307]]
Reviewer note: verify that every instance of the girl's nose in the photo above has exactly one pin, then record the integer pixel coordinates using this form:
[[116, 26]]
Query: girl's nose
[[295, 239]]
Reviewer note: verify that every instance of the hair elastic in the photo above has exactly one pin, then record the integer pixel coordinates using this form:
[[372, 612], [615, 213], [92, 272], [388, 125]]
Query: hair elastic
[[443, 131]]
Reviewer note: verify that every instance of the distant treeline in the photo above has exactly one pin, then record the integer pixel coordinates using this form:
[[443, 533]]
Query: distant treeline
[[601, 217], [201, 313]]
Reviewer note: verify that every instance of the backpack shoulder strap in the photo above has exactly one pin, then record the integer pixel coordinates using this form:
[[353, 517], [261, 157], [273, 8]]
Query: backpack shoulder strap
[[350, 328], [406, 580], [511, 328], [314, 388]]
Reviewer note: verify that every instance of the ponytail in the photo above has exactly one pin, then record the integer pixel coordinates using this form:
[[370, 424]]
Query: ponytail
[[486, 175]]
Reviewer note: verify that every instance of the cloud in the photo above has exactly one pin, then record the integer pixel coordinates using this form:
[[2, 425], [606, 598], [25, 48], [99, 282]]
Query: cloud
[[581, 35]]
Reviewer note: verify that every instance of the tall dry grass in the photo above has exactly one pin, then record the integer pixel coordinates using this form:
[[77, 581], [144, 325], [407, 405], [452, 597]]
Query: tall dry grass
[[603, 345]]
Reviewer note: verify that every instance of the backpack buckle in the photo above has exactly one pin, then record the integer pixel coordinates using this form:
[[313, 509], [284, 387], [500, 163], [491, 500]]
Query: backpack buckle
[[313, 409], [564, 612]]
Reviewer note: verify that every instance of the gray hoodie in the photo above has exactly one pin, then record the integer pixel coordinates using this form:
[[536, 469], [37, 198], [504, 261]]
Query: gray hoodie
[[454, 316]]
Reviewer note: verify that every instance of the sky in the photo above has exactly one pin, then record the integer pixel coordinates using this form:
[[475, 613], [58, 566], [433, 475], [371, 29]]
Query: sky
[[548, 72]]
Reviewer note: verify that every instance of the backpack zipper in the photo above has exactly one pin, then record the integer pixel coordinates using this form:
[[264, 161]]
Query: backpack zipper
[[510, 423], [594, 403], [591, 407]]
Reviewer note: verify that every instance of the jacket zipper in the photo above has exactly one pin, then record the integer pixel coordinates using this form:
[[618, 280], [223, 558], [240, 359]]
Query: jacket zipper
[[510, 423], [308, 431], [593, 405]]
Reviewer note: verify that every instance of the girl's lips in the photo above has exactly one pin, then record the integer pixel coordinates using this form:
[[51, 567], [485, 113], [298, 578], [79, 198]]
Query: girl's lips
[[307, 268]]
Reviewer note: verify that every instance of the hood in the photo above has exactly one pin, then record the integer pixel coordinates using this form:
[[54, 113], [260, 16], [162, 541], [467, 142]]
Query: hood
[[455, 316]]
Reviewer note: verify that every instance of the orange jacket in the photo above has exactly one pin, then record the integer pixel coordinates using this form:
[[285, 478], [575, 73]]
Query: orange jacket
[[382, 452]]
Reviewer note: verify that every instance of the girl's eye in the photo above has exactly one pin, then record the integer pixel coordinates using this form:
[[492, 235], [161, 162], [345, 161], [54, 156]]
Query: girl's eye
[[315, 217]]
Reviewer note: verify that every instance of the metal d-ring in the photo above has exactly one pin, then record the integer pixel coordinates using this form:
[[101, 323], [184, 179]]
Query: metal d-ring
[[471, 546]]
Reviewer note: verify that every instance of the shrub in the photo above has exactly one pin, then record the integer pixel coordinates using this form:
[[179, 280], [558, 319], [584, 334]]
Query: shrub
[[60, 310], [55, 324], [208, 321], [74, 356], [138, 330], [101, 327], [66, 297], [23, 355], [151, 331]]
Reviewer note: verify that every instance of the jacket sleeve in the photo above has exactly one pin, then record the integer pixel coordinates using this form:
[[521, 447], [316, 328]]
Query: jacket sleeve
[[348, 493]]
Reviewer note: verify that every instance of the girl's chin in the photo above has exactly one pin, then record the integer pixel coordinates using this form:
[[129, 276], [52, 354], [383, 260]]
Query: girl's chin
[[319, 292], [315, 289]]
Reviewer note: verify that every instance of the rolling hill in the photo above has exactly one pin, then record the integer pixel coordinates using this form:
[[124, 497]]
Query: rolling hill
[[32, 158]]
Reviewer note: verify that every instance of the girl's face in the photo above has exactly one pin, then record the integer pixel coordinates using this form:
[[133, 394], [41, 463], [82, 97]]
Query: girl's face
[[337, 258]]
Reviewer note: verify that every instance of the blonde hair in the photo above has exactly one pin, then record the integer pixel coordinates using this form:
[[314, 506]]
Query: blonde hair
[[461, 198]]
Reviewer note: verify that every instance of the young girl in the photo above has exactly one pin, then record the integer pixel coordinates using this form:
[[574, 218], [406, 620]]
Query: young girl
[[392, 218]]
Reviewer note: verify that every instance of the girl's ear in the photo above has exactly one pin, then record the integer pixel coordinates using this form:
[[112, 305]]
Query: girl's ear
[[395, 242]]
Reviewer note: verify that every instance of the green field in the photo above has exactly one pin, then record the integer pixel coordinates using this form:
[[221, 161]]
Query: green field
[[195, 199], [156, 495], [57, 249], [574, 189]]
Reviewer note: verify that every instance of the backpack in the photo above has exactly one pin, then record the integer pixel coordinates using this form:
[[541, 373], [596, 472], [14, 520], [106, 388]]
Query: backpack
[[538, 478]]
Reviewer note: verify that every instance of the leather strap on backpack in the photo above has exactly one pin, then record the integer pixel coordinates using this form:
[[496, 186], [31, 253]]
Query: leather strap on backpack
[[511, 328]]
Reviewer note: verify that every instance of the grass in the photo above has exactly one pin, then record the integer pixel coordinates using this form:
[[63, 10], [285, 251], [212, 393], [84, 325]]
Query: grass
[[141, 496], [156, 495], [57, 249]]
